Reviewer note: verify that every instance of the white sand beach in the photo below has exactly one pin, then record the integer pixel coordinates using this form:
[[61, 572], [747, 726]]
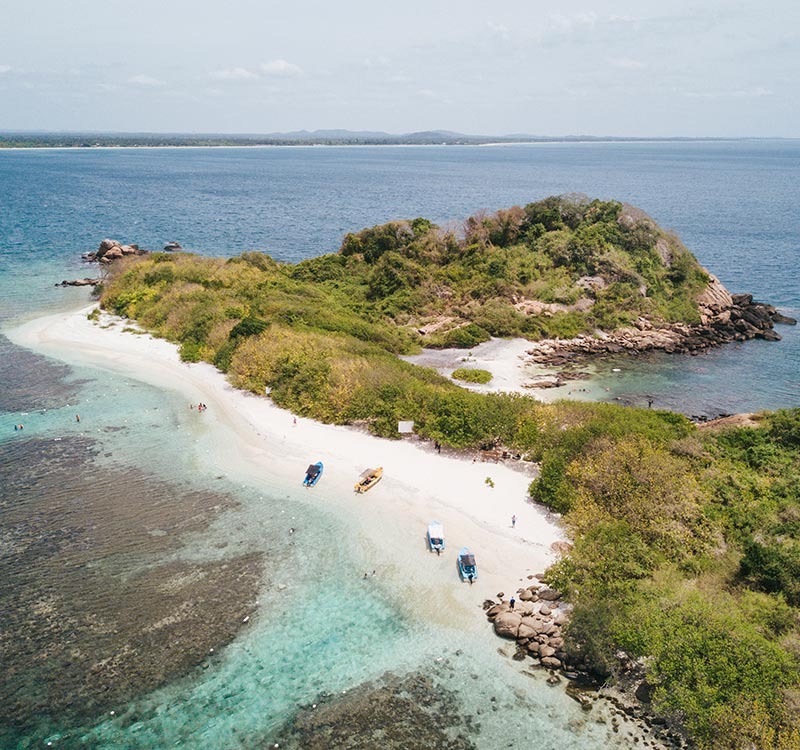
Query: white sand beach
[[251, 437], [512, 370]]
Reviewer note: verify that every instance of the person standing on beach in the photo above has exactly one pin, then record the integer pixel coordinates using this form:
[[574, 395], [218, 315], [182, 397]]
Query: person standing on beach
[[513, 521], [511, 603]]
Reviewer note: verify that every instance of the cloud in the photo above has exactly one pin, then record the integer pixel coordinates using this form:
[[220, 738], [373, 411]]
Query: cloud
[[233, 74], [426, 94], [734, 94], [143, 80], [5, 69], [281, 68], [572, 21], [499, 29], [627, 63]]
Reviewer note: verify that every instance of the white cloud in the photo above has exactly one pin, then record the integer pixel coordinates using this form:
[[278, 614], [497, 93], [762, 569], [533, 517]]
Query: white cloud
[[627, 63], [426, 94], [280, 68], [143, 80], [233, 74], [499, 29], [5, 69], [573, 20], [734, 94]]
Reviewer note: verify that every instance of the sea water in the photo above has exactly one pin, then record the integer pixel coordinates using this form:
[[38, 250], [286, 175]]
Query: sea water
[[116, 529]]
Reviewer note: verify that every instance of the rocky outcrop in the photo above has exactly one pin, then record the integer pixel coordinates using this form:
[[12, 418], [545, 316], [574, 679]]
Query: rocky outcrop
[[723, 318], [535, 622], [80, 282], [111, 250]]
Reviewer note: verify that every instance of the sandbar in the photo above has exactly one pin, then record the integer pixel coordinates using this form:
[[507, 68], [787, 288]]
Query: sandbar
[[249, 436]]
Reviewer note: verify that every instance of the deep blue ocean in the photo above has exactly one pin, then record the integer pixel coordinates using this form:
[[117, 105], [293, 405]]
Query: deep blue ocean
[[97, 517]]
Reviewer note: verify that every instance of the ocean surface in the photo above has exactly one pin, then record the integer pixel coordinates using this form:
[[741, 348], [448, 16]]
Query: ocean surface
[[128, 565]]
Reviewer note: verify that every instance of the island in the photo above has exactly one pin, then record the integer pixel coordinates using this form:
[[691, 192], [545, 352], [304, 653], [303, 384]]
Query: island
[[680, 583]]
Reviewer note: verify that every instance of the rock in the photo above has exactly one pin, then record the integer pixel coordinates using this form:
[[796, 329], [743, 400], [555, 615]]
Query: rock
[[501, 594], [497, 609], [524, 608], [525, 595], [105, 246], [546, 651], [549, 595], [561, 617], [113, 254], [553, 680], [525, 630], [781, 319], [506, 624], [545, 610], [644, 692], [551, 662], [533, 648], [170, 246], [80, 282]]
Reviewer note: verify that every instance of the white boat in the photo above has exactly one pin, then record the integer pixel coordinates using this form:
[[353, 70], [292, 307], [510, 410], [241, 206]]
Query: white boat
[[436, 537]]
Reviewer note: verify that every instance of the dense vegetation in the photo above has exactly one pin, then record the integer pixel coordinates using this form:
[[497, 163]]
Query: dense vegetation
[[686, 544], [472, 375]]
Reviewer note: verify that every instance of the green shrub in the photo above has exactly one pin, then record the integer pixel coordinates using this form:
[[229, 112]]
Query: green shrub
[[472, 375]]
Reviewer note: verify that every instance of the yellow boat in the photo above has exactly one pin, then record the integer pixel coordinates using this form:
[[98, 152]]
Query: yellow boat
[[368, 479]]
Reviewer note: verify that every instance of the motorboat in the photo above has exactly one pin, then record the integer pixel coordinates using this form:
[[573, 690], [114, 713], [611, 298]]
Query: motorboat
[[436, 537], [466, 565], [368, 479], [313, 473]]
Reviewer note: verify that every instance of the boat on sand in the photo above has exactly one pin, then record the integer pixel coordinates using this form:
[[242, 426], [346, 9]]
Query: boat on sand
[[368, 479], [436, 537], [313, 473], [467, 567]]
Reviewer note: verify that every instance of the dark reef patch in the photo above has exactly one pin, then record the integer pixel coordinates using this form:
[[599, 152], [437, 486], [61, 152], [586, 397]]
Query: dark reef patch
[[92, 616], [411, 712], [32, 382]]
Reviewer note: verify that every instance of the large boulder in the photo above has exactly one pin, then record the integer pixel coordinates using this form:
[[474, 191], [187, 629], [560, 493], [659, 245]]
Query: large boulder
[[105, 246], [549, 595], [115, 253], [551, 662], [497, 609], [506, 624]]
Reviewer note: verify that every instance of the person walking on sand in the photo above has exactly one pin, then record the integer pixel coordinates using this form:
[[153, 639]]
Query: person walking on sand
[[513, 521]]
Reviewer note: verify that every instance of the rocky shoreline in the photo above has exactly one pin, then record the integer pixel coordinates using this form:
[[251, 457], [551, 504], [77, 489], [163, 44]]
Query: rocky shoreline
[[109, 251], [536, 619], [724, 317]]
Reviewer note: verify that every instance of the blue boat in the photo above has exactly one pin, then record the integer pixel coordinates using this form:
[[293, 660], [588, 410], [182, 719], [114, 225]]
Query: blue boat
[[436, 537], [466, 565], [313, 473]]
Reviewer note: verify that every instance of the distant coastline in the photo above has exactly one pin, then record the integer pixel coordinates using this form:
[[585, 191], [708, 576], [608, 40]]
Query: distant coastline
[[28, 139]]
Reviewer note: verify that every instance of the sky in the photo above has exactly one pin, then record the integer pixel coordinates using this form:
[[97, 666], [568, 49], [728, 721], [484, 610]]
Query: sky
[[723, 68]]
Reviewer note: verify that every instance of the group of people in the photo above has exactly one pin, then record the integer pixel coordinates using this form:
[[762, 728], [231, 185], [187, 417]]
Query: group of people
[[200, 407]]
